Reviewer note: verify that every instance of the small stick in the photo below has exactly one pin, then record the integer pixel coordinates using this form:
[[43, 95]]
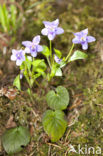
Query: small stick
[[54, 145]]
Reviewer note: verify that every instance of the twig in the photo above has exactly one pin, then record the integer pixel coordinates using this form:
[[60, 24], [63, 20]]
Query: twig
[[49, 150], [67, 135], [54, 145]]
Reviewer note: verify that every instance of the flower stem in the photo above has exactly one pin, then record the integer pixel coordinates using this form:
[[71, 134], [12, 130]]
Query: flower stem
[[33, 59], [48, 62], [51, 51], [70, 52]]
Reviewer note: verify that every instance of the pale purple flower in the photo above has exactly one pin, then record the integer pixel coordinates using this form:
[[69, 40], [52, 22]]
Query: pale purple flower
[[51, 29], [57, 60], [82, 38], [18, 56], [33, 47]]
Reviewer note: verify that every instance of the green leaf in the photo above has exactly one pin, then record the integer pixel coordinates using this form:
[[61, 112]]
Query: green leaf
[[78, 55], [29, 91], [6, 17], [54, 124], [39, 64], [41, 71], [16, 82], [53, 70], [28, 62], [42, 65], [13, 19], [58, 100], [46, 51], [22, 67], [2, 18], [58, 53], [58, 72], [62, 64], [15, 139]]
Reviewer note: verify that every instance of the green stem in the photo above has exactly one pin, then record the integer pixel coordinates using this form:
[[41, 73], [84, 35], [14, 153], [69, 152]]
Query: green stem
[[31, 96], [48, 62], [33, 59], [70, 52], [51, 51]]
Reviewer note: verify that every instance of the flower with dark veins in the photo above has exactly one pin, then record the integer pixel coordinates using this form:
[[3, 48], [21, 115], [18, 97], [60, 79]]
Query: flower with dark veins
[[18, 56], [33, 47], [57, 60], [82, 38], [51, 29]]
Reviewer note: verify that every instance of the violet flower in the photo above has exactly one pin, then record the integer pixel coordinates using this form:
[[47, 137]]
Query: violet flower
[[82, 38], [51, 29], [18, 56], [33, 47], [57, 60]]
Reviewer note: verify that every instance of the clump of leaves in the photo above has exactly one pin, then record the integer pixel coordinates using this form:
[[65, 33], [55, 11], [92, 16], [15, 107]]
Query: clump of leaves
[[54, 121], [9, 19]]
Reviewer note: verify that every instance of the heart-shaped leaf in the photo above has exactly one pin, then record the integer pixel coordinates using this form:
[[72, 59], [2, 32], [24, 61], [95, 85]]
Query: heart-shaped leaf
[[54, 124], [77, 55], [15, 139], [58, 100]]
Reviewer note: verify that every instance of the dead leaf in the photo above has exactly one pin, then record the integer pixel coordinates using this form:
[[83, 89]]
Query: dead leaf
[[10, 122], [31, 129], [10, 93]]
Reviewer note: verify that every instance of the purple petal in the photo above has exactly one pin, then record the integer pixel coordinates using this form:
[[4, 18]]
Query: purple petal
[[34, 54], [27, 50], [39, 48], [85, 46], [14, 51], [85, 31], [23, 57], [46, 23], [44, 31], [81, 33], [90, 39], [76, 40], [57, 60], [56, 22], [59, 31], [36, 40], [22, 52], [13, 57], [78, 34], [51, 36], [19, 62], [27, 43]]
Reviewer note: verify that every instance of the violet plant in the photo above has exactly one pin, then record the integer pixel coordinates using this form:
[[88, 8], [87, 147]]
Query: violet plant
[[31, 68]]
